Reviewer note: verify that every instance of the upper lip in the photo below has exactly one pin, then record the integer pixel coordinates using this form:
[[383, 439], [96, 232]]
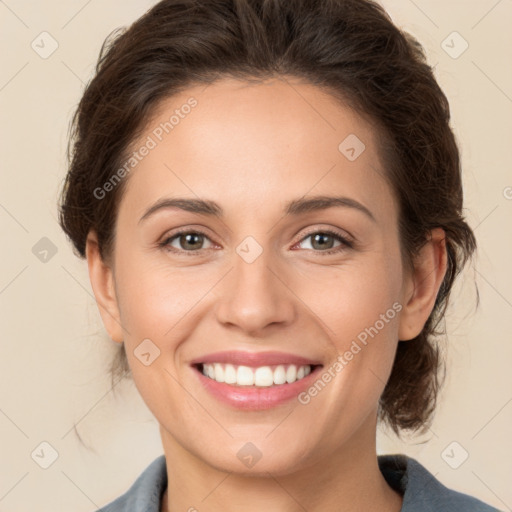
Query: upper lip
[[254, 359]]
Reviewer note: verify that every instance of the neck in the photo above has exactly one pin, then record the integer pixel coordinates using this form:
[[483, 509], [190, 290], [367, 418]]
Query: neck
[[348, 479]]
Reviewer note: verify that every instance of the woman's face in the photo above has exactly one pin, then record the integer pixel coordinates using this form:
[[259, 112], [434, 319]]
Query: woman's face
[[261, 290]]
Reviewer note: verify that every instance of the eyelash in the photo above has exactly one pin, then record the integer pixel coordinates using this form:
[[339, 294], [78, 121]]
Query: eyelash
[[345, 243]]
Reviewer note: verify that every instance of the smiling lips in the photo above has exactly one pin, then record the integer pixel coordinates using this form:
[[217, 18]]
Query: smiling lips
[[255, 380]]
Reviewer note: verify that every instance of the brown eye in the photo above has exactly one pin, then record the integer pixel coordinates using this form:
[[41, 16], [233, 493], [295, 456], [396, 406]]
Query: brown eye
[[323, 241], [186, 241]]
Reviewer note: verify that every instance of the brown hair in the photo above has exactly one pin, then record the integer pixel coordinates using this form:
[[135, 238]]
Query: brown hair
[[349, 47]]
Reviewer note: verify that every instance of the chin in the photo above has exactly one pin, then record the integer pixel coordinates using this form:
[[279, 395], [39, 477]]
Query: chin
[[255, 459]]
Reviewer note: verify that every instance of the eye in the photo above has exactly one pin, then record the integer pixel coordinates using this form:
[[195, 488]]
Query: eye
[[188, 241], [324, 240], [192, 241]]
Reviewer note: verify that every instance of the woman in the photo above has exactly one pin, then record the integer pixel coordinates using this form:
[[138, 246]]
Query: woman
[[219, 147]]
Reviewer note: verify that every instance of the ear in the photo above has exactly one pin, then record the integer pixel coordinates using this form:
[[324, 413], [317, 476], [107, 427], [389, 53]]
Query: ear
[[423, 285], [102, 282]]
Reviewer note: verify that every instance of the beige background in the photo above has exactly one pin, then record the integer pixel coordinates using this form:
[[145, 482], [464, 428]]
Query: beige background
[[55, 354]]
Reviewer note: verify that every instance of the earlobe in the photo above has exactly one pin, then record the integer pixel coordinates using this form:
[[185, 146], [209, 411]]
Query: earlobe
[[423, 285], [102, 282]]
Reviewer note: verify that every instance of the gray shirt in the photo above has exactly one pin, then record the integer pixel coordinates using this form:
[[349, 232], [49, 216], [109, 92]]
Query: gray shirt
[[421, 491]]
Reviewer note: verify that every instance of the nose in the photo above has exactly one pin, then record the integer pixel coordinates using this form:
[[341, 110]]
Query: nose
[[255, 296]]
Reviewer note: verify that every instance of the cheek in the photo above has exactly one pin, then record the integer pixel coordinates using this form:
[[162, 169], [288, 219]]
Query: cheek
[[160, 301], [153, 305], [356, 298], [362, 312]]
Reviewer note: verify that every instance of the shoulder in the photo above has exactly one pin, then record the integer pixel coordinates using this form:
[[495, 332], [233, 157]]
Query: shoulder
[[145, 494], [422, 492]]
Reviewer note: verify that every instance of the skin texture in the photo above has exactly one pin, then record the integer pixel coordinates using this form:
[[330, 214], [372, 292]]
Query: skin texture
[[252, 148]]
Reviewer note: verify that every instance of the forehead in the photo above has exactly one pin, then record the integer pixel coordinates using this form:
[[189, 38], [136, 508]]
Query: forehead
[[256, 144]]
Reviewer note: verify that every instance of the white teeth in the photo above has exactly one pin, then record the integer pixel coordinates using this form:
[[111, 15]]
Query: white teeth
[[279, 375], [229, 374], [244, 376], [291, 374], [219, 372], [263, 376]]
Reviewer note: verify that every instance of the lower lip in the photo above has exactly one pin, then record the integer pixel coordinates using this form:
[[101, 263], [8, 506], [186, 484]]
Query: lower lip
[[255, 398]]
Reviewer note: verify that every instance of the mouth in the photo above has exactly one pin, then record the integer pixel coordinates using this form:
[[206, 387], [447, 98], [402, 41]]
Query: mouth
[[255, 381], [261, 376]]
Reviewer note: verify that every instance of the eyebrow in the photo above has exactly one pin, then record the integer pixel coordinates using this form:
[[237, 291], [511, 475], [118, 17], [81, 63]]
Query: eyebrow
[[294, 207]]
